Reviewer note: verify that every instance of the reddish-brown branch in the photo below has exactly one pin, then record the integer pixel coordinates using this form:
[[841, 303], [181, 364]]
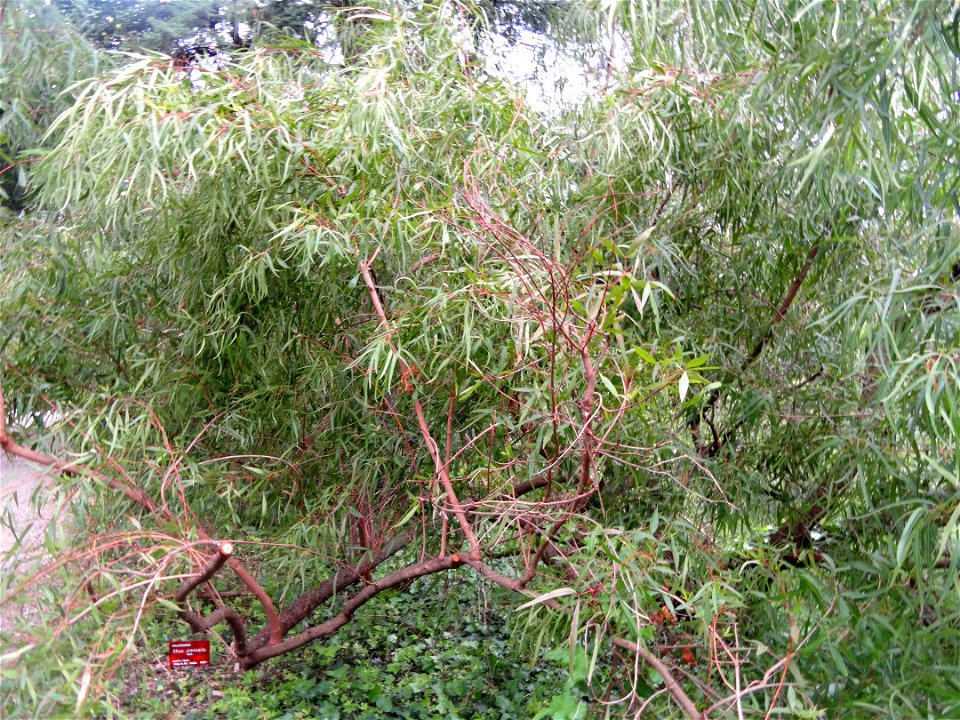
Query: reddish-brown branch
[[784, 306], [273, 617], [547, 543], [208, 571], [309, 601], [217, 595], [222, 614], [450, 409], [506, 581], [527, 486], [423, 261], [369, 591], [141, 498], [710, 449], [8, 444], [445, 481], [673, 687], [586, 415], [440, 466]]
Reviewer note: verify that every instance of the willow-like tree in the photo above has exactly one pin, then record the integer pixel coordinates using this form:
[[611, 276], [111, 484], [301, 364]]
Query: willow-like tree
[[678, 369]]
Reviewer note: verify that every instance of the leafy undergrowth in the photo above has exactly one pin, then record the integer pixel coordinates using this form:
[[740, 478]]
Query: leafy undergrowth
[[397, 660]]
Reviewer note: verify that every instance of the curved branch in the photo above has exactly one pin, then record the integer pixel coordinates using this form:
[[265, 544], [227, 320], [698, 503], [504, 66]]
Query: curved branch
[[273, 618], [222, 614], [247, 578]]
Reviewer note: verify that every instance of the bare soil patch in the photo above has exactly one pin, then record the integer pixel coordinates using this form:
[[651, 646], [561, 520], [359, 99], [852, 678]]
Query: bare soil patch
[[26, 508]]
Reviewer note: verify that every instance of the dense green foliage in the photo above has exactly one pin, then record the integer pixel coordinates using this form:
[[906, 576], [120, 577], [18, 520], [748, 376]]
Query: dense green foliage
[[40, 56], [680, 367]]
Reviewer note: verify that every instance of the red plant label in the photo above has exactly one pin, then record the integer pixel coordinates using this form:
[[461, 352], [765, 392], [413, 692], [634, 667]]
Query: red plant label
[[189, 653]]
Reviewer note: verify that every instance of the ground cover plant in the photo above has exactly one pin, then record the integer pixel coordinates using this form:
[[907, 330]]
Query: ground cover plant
[[674, 368], [449, 656]]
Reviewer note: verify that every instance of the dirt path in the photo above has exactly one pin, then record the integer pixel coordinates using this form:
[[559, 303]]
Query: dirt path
[[19, 481]]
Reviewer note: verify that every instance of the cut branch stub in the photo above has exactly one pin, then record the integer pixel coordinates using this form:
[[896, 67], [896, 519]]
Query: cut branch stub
[[225, 550]]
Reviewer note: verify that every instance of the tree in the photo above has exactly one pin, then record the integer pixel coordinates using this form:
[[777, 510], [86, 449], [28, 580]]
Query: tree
[[115, 25], [338, 25], [678, 369]]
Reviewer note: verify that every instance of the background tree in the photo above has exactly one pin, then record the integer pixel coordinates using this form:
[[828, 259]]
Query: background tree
[[120, 25], [116, 25], [678, 369]]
